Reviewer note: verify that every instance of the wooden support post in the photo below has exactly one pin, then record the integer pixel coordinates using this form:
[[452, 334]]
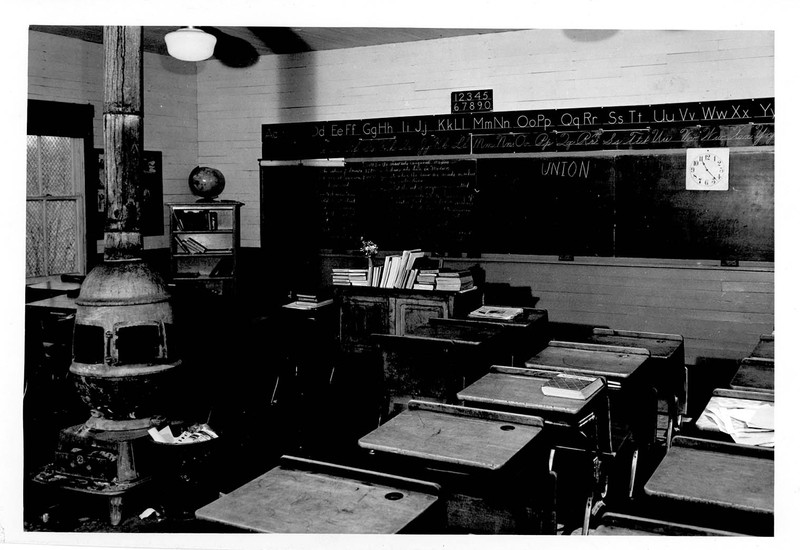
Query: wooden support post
[[123, 140]]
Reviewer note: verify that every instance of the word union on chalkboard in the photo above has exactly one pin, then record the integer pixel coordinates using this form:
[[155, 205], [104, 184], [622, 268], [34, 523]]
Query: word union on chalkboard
[[728, 123]]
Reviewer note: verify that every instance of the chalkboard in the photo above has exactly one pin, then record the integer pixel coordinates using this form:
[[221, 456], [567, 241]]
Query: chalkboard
[[546, 205], [598, 181], [428, 204], [624, 205], [657, 217]]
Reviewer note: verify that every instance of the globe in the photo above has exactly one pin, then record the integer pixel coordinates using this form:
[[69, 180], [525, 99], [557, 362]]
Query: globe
[[206, 182]]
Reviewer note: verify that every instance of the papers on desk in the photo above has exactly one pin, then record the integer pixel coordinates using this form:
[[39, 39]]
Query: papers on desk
[[747, 421], [303, 305]]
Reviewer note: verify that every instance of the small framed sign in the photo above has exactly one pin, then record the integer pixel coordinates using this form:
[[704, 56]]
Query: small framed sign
[[473, 101]]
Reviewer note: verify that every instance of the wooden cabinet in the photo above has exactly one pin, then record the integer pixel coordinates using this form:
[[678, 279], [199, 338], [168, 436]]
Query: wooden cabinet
[[366, 310], [204, 246]]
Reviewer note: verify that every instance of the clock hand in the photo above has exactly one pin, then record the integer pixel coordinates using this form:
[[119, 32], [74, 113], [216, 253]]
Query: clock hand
[[706, 167]]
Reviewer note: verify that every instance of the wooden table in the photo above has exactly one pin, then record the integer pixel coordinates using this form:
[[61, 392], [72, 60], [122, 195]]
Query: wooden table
[[736, 482], [307, 496], [476, 453], [633, 405], [574, 421], [667, 363], [527, 333], [436, 361], [756, 374]]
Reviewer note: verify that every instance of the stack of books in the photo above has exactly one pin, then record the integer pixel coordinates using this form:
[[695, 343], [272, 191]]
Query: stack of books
[[400, 270], [349, 277], [454, 280], [426, 279]]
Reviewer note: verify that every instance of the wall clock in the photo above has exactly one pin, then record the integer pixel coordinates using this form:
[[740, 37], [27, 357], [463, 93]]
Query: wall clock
[[707, 169]]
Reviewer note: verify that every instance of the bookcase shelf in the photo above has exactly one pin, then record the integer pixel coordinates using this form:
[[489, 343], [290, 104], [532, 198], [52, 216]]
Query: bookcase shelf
[[204, 246]]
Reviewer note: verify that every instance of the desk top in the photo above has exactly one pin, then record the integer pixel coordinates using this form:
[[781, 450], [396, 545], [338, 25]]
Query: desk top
[[615, 524], [62, 286], [522, 388], [661, 346], [729, 476], [755, 374], [616, 363], [457, 334], [61, 303], [765, 348], [455, 435], [305, 496], [529, 317]]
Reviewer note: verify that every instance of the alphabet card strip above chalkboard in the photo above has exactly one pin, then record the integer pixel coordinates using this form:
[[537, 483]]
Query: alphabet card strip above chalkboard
[[728, 123]]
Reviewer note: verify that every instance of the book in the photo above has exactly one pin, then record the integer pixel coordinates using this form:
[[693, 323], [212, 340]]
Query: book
[[572, 386], [502, 313]]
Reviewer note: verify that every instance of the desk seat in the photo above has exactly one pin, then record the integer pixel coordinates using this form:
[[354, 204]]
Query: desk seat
[[527, 333], [617, 525], [436, 361]]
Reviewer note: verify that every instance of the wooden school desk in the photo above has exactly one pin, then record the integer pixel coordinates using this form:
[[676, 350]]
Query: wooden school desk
[[755, 374], [487, 462], [633, 406], [668, 367], [574, 421], [436, 361], [527, 333], [306, 496], [716, 484]]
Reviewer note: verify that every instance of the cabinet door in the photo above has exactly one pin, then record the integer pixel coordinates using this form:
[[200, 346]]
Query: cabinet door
[[361, 316], [410, 313]]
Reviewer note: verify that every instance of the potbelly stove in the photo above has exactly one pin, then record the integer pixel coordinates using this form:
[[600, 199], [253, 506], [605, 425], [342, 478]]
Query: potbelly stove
[[124, 355]]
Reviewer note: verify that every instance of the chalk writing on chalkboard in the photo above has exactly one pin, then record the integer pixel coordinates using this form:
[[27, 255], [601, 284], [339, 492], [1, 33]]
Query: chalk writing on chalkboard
[[729, 123]]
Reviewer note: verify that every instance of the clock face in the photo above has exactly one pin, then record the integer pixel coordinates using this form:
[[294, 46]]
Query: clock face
[[707, 169]]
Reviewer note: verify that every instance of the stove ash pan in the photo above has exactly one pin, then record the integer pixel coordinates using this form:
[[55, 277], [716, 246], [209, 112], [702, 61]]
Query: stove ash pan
[[124, 349]]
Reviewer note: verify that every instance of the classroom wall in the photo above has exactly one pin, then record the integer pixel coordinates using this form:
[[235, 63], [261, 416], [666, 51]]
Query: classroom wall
[[720, 311], [70, 70], [209, 114]]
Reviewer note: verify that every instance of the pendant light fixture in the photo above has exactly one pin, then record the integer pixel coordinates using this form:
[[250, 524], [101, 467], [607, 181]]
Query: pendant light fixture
[[190, 44]]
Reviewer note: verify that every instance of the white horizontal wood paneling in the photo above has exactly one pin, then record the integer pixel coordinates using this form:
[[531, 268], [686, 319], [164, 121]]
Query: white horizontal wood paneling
[[65, 69]]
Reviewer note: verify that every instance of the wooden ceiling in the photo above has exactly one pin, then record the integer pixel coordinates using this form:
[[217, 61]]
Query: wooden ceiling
[[276, 40]]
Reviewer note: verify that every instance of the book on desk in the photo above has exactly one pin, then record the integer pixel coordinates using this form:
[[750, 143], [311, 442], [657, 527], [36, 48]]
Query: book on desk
[[572, 386], [502, 313]]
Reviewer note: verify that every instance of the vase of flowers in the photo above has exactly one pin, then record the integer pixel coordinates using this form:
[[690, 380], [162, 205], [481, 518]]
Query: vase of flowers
[[369, 249]]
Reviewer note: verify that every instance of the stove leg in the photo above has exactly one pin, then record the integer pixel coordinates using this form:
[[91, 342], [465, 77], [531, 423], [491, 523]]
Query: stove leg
[[115, 509]]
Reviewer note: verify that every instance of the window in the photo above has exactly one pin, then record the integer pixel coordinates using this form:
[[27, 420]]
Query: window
[[55, 233]]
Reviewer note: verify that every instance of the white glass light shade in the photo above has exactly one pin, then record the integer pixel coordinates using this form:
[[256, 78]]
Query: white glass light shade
[[190, 44]]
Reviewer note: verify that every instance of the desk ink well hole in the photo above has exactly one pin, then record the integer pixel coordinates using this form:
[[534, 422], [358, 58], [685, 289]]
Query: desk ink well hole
[[394, 495], [506, 428]]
